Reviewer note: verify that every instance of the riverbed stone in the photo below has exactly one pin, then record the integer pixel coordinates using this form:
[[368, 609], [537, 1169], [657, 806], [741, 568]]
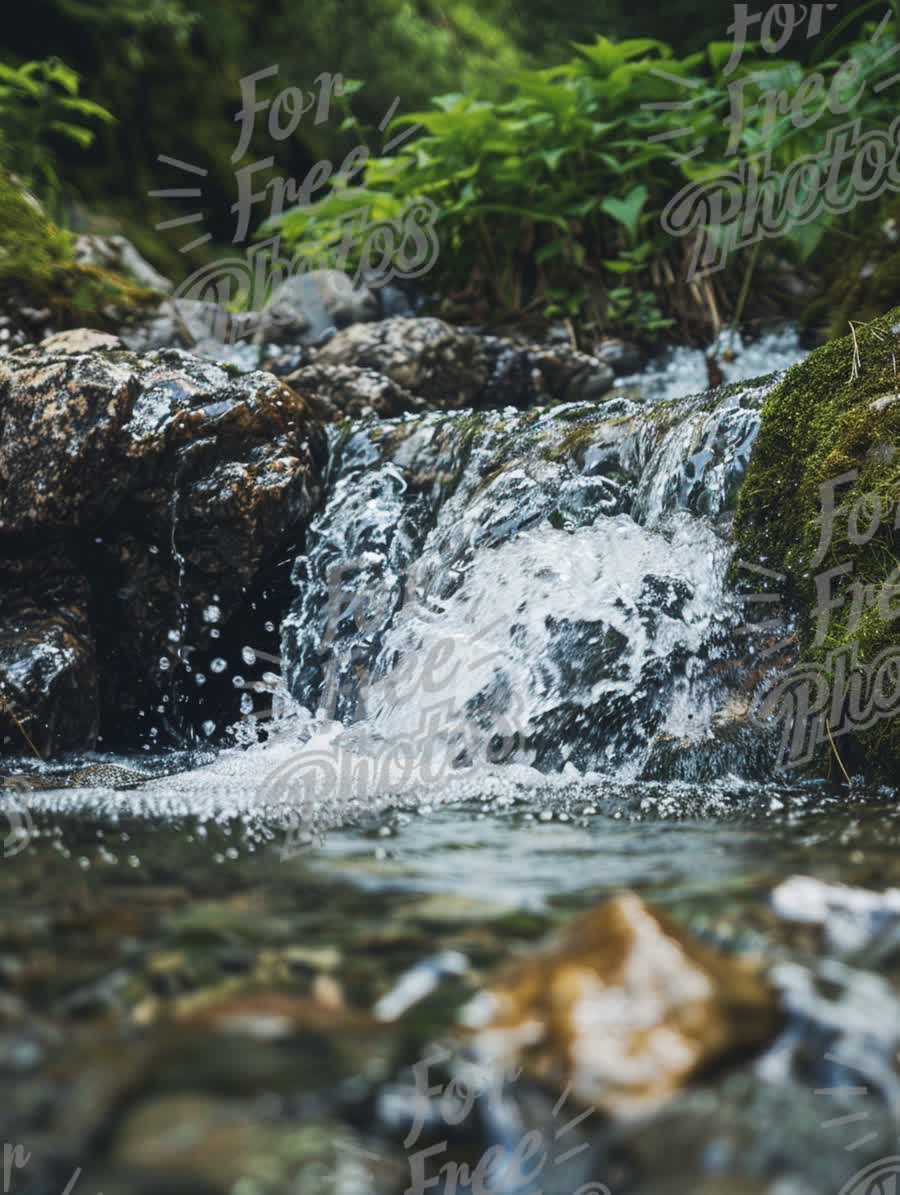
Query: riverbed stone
[[454, 367], [624, 1009]]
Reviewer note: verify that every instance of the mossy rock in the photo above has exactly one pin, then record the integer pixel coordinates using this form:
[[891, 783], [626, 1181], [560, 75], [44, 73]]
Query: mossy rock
[[37, 269], [836, 416]]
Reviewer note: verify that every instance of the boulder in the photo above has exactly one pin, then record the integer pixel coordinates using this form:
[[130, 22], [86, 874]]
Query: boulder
[[624, 1009], [454, 367], [173, 480]]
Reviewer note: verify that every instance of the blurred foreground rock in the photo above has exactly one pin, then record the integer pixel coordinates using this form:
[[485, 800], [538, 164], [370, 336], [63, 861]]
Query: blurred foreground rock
[[625, 1009]]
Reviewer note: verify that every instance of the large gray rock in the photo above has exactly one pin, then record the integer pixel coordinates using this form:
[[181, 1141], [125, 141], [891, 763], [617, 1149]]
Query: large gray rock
[[307, 308], [453, 367], [177, 480]]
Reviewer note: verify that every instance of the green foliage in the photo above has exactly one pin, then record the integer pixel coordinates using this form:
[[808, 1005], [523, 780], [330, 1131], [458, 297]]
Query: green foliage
[[39, 107], [835, 414], [552, 198]]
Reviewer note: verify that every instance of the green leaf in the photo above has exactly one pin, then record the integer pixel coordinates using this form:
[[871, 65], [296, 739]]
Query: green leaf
[[627, 211], [73, 132]]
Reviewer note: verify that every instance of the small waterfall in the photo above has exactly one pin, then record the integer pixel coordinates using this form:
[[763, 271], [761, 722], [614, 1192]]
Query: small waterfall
[[545, 587]]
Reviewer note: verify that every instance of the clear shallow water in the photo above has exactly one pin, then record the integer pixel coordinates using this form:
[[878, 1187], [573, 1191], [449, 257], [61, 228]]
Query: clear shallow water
[[121, 931]]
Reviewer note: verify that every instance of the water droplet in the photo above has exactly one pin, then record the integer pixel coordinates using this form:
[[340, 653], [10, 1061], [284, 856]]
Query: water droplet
[[208, 728], [246, 704], [212, 614], [164, 664], [270, 626], [199, 679], [218, 665], [248, 655], [174, 636], [238, 682]]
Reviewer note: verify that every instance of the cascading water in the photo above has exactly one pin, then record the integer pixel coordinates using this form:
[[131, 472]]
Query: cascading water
[[543, 588]]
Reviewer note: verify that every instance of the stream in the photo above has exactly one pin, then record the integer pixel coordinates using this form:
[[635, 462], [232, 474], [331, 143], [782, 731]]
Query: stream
[[513, 680]]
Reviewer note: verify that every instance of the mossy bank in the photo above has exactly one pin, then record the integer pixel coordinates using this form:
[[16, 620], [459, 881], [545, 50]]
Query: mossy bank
[[818, 508]]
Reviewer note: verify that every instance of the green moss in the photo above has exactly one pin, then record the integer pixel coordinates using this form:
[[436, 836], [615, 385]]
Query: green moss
[[37, 269], [574, 443], [822, 422]]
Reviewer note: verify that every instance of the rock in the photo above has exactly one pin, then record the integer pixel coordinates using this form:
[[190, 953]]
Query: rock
[[398, 298], [625, 1007], [340, 391], [621, 356], [196, 324], [177, 479], [307, 308], [80, 340], [453, 367], [48, 672], [117, 253]]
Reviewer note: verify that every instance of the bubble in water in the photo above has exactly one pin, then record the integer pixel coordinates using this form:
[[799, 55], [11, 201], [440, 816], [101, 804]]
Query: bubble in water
[[174, 636], [214, 634], [270, 626], [199, 679], [246, 704], [208, 728], [164, 664], [271, 678], [238, 682], [212, 614], [218, 665], [248, 655]]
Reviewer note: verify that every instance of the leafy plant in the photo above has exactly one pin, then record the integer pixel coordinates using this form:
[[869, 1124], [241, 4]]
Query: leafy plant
[[550, 200], [39, 106]]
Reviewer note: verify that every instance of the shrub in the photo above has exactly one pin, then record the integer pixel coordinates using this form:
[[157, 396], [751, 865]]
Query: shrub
[[550, 201]]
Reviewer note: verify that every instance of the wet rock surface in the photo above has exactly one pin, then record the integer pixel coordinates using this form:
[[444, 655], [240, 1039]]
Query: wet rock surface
[[49, 697], [338, 392], [173, 481], [454, 367]]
